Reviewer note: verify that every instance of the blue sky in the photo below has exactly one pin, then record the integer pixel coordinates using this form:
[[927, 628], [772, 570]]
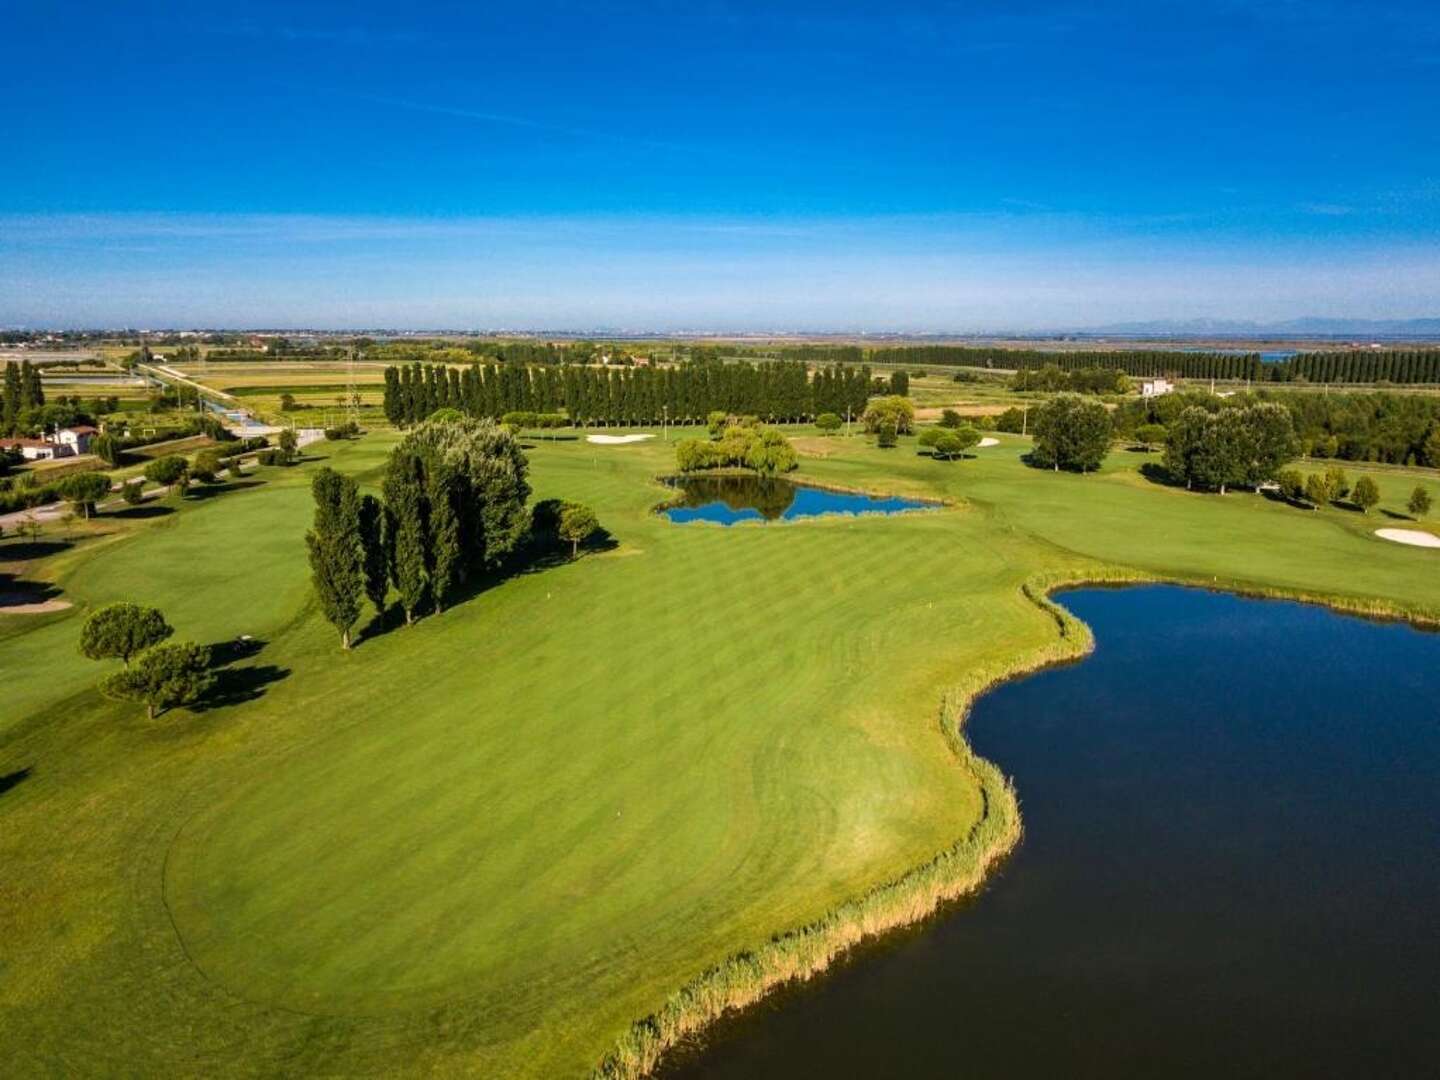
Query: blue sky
[[718, 165]]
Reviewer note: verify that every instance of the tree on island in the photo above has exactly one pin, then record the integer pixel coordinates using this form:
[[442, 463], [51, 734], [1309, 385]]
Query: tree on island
[[1419, 504], [893, 410], [164, 676], [1366, 494], [336, 552], [120, 630], [1071, 432]]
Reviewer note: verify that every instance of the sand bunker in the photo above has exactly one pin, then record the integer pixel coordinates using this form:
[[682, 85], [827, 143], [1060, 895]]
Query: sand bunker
[[1413, 537], [988, 442], [22, 604], [616, 440]]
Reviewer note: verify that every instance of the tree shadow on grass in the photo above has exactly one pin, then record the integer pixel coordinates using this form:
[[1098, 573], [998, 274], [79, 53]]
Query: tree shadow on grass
[[140, 513], [28, 550], [1395, 515], [1156, 473], [237, 682], [15, 779], [541, 552], [532, 441], [210, 491]]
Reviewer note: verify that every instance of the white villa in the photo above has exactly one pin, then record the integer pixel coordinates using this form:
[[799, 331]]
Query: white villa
[[67, 442], [1155, 387]]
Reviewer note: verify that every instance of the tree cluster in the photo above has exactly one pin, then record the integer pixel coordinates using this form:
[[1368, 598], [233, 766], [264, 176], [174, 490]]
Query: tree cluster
[[893, 412], [741, 445], [1071, 432], [22, 393], [1232, 447], [163, 674], [454, 496], [1086, 380], [946, 443]]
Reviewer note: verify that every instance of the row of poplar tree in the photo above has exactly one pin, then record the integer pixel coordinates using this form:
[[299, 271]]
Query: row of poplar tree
[[1401, 366], [22, 391], [452, 506], [685, 394]]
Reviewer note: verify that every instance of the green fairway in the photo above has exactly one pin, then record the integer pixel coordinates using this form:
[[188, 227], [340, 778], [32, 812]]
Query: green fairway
[[485, 844]]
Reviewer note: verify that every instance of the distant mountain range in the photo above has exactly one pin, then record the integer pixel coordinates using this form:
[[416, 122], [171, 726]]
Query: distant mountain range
[[1306, 327]]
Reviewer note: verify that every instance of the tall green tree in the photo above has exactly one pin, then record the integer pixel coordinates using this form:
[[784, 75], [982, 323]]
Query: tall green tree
[[375, 548], [336, 550], [1419, 504], [1366, 494], [443, 494], [11, 404], [577, 524], [176, 673], [407, 524], [84, 490], [1071, 432], [121, 630]]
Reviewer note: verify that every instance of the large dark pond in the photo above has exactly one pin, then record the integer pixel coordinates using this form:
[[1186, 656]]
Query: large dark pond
[[728, 500], [1231, 867]]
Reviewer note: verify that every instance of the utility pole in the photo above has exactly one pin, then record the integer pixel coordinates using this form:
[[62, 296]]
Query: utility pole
[[352, 396]]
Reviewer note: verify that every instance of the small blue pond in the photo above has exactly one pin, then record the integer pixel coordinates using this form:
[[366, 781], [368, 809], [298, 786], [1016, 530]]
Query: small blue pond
[[727, 500]]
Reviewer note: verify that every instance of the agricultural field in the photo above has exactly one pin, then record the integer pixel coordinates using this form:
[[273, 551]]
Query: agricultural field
[[318, 388], [489, 842]]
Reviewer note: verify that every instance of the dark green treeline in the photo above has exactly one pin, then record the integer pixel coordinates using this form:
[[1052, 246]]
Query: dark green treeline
[[1399, 366], [684, 394]]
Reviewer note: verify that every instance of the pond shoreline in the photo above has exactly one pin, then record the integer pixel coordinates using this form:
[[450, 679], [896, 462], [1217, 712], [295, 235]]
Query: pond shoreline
[[959, 871]]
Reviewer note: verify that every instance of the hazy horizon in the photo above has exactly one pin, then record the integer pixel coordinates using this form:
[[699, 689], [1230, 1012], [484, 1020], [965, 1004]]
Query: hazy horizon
[[734, 167]]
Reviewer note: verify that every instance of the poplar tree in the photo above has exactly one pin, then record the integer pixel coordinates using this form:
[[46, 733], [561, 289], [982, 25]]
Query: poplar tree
[[336, 550], [375, 544], [11, 402], [444, 543], [405, 516]]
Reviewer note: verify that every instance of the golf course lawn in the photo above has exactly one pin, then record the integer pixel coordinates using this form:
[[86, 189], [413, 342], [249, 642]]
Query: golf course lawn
[[486, 844]]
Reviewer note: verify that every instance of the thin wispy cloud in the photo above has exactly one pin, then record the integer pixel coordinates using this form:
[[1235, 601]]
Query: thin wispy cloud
[[487, 117]]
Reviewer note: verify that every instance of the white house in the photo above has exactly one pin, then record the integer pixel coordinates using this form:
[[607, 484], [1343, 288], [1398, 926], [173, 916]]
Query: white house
[[32, 449], [74, 440], [1155, 387], [67, 442]]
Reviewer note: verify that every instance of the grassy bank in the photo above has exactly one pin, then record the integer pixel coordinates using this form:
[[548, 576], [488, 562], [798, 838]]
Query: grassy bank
[[705, 759]]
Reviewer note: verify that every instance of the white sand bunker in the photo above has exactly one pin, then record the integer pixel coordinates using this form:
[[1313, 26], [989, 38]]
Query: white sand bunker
[[988, 442], [617, 440], [1413, 537]]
